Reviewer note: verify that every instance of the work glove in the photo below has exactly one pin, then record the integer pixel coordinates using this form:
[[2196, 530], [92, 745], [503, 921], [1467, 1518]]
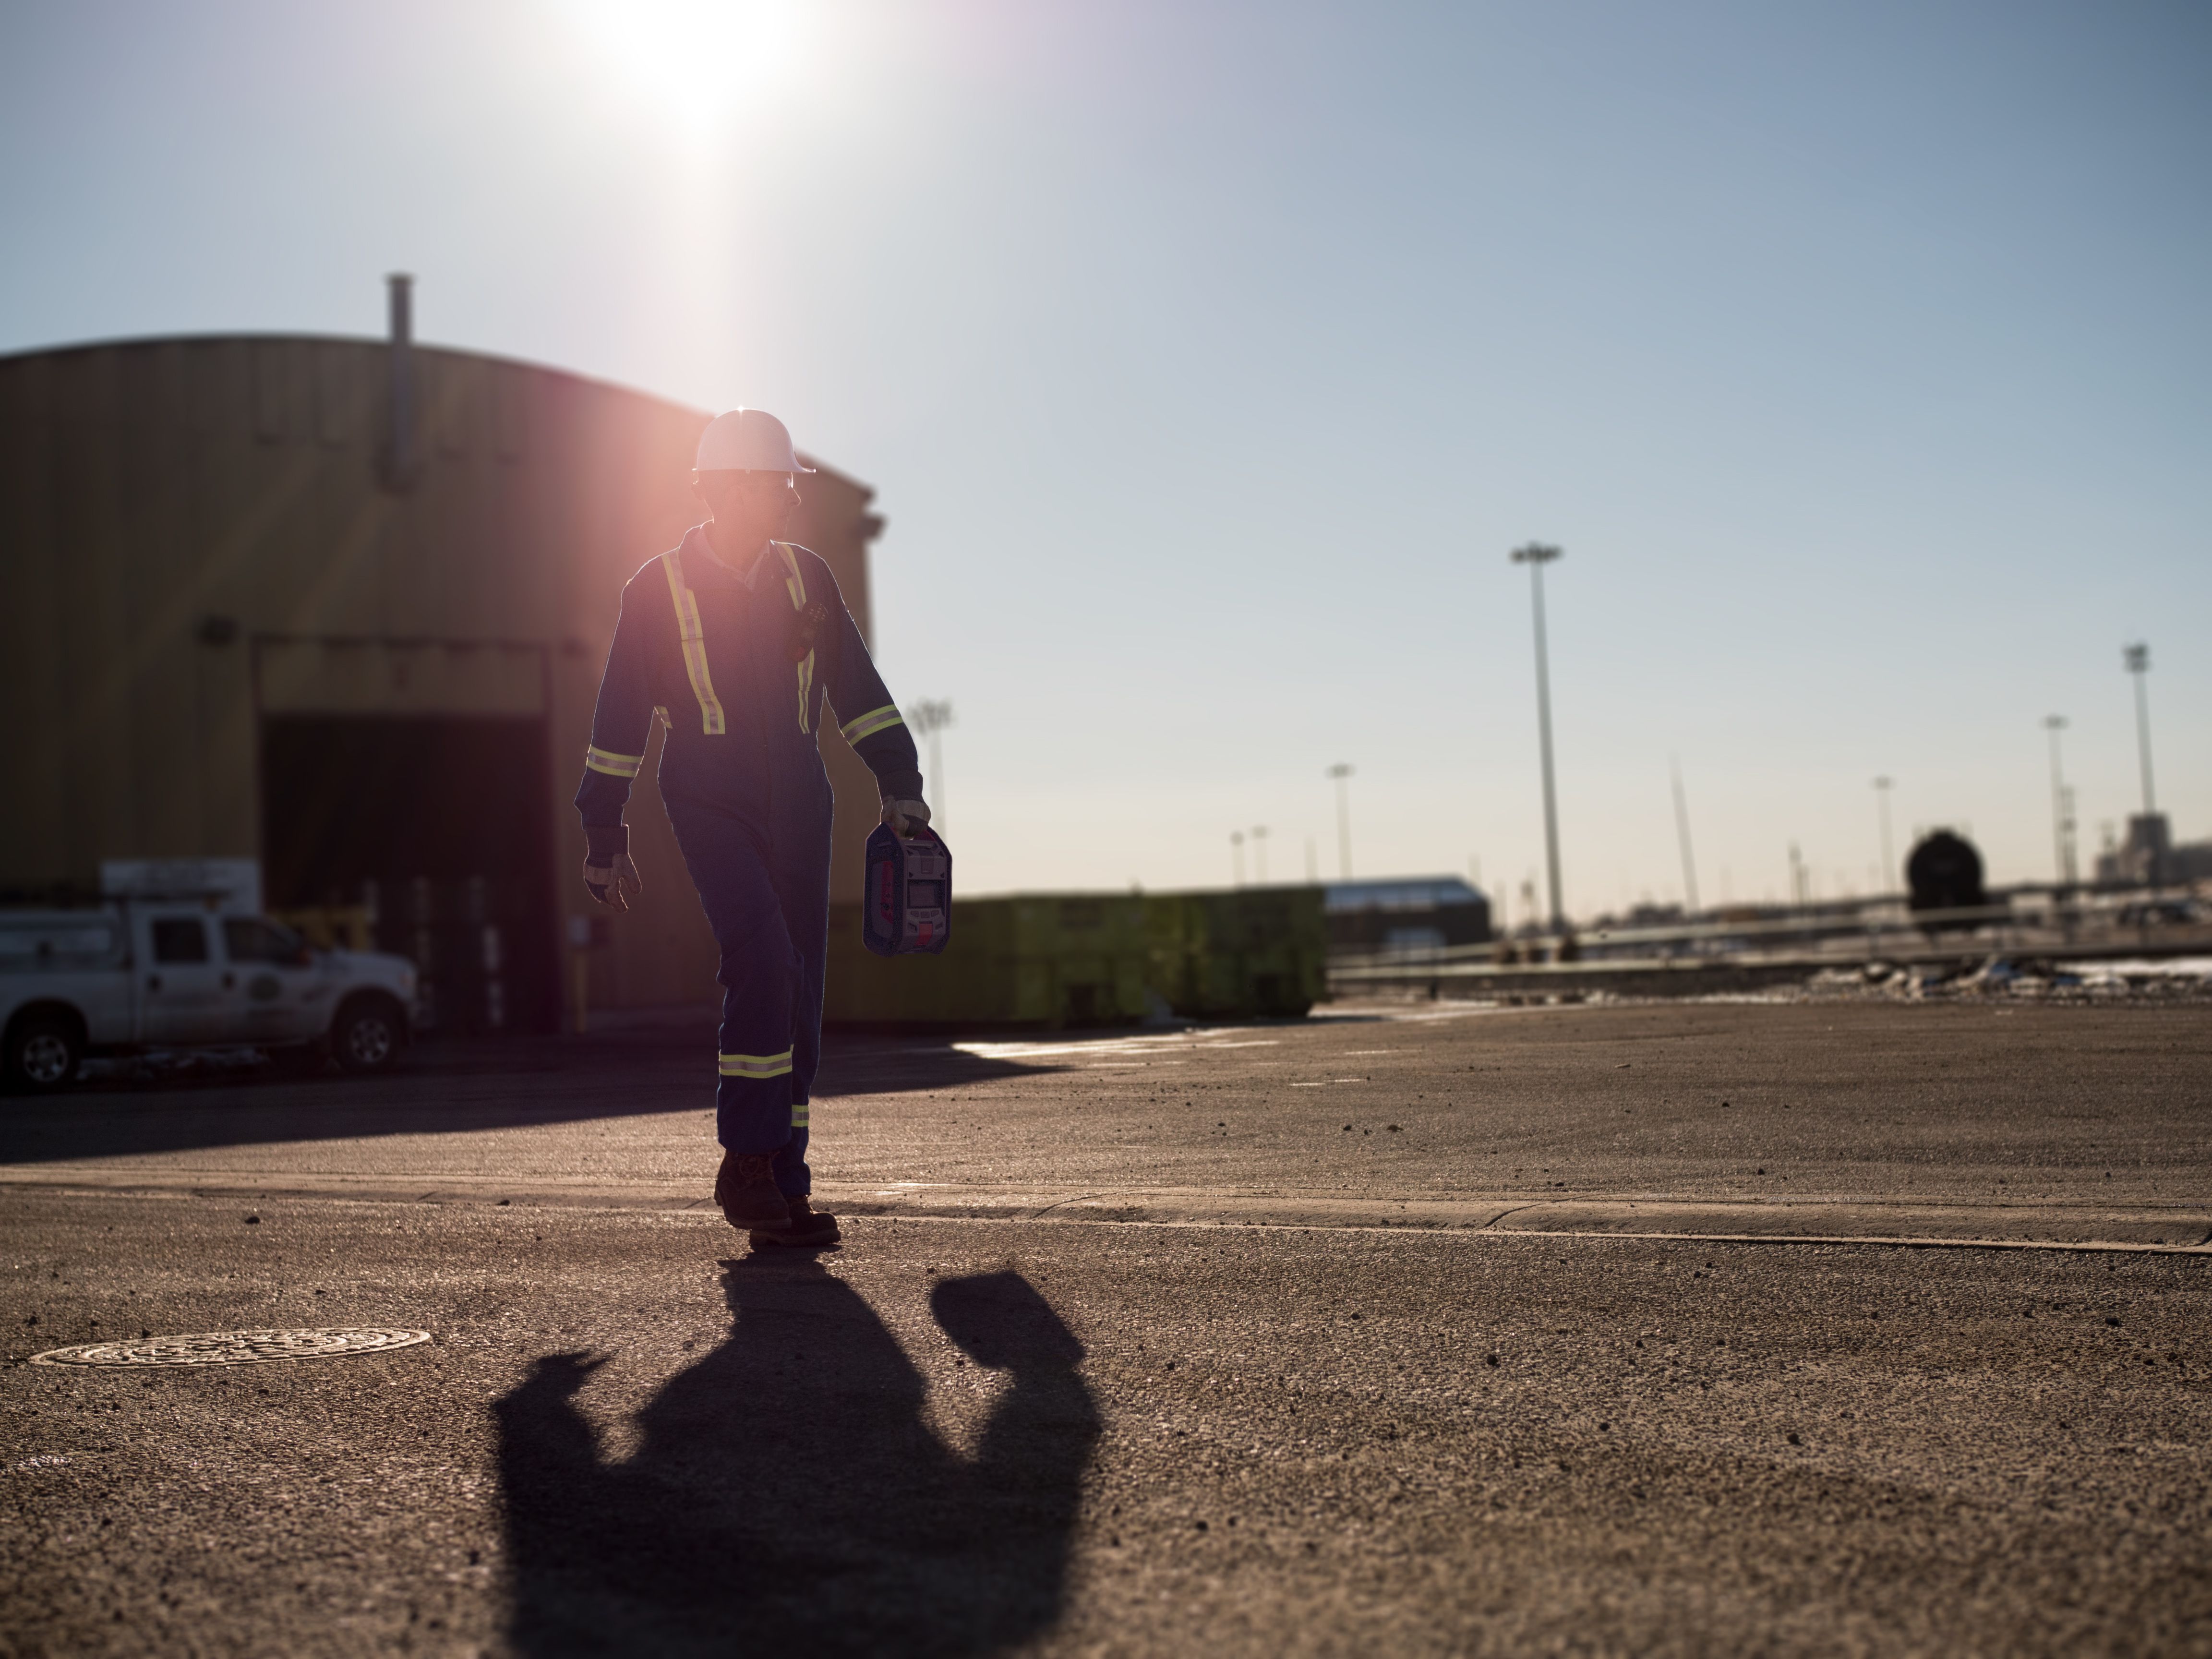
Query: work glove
[[905, 817], [614, 882]]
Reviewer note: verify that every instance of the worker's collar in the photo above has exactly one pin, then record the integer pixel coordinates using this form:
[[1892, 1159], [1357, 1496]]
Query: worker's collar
[[747, 578]]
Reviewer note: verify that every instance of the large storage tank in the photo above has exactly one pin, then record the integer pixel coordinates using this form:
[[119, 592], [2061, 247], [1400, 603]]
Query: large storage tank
[[1945, 873], [341, 606]]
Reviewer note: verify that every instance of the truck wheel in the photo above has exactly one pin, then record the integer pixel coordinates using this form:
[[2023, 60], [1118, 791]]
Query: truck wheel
[[368, 1034], [43, 1054]]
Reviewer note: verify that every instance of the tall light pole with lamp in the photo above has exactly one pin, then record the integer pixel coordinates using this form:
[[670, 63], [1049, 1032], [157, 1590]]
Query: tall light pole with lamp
[[930, 719], [1889, 873], [1536, 555], [1339, 773], [1682, 839], [2062, 807], [2137, 658]]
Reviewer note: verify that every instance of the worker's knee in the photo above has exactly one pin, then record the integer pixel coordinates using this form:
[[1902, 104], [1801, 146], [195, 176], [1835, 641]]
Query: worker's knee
[[767, 952]]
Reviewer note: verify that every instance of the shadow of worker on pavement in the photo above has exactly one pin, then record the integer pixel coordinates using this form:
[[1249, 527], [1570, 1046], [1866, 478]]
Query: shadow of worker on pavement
[[786, 1498]]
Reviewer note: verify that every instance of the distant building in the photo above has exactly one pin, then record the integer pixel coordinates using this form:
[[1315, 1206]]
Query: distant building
[[341, 606], [2148, 855], [1411, 914]]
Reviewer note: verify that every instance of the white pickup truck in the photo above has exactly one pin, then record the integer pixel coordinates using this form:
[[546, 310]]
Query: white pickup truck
[[139, 974]]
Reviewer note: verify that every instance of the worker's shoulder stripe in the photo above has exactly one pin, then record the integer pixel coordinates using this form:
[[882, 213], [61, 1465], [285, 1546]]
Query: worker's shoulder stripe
[[694, 641], [875, 720], [614, 765], [679, 591], [794, 583]]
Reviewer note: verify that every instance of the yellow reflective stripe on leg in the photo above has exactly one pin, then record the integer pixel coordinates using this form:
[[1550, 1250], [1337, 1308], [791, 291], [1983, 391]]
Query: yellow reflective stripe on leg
[[805, 689], [754, 1066], [875, 720], [614, 765], [798, 1114], [694, 647]]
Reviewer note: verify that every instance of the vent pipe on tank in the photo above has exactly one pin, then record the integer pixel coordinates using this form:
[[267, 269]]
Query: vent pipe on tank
[[400, 461]]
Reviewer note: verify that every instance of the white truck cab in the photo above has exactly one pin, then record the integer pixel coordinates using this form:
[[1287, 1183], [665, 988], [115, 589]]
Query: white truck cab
[[175, 956]]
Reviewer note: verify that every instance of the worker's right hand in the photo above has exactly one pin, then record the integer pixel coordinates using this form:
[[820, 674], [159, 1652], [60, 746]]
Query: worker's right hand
[[615, 883], [905, 817]]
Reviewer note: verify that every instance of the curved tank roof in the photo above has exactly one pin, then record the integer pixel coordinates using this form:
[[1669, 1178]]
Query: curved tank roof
[[205, 534], [131, 342]]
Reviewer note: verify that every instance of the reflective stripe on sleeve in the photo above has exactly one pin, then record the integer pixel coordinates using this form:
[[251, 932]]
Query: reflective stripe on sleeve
[[754, 1066], [798, 1114], [875, 720], [694, 648], [614, 765]]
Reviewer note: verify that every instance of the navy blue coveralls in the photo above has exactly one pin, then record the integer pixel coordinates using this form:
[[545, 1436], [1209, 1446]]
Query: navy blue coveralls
[[737, 668]]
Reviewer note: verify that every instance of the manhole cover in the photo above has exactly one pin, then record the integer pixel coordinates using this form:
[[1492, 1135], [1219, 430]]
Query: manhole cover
[[235, 1347]]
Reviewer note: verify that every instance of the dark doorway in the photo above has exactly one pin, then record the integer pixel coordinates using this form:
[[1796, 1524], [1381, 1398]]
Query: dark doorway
[[438, 833]]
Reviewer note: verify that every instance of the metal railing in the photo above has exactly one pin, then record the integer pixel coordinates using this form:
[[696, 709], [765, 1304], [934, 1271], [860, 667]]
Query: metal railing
[[1826, 936]]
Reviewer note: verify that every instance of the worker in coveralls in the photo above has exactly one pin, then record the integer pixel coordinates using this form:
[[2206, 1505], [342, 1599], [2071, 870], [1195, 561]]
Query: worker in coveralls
[[740, 645]]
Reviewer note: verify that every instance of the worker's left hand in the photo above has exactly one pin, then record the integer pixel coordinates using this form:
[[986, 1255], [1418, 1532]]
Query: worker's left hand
[[905, 817], [615, 883]]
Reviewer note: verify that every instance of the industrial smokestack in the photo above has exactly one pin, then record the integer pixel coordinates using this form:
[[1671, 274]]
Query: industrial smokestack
[[399, 457]]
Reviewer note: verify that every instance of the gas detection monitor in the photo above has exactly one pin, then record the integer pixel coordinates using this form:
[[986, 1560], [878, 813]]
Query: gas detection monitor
[[909, 893]]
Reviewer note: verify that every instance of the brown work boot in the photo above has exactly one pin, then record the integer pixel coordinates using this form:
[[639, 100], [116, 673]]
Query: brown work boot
[[809, 1229], [745, 1189]]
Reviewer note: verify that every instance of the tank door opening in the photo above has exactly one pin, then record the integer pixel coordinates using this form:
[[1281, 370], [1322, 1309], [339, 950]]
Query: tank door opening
[[430, 836]]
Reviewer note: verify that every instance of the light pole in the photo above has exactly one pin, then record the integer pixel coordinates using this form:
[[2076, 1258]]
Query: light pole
[[929, 719], [1236, 858], [1536, 555], [1260, 853], [1339, 772], [1682, 836], [2062, 807], [1882, 788], [2137, 658], [401, 461]]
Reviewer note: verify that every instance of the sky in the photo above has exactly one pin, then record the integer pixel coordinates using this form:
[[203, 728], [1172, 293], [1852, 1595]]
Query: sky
[[1210, 359]]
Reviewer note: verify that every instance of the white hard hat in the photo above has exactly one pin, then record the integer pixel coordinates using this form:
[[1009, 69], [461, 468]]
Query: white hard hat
[[747, 440]]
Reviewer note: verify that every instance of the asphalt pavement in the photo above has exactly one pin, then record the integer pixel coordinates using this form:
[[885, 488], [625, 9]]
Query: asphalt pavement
[[1414, 1329]]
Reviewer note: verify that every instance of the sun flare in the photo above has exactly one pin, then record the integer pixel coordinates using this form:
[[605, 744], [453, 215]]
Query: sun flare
[[702, 59]]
